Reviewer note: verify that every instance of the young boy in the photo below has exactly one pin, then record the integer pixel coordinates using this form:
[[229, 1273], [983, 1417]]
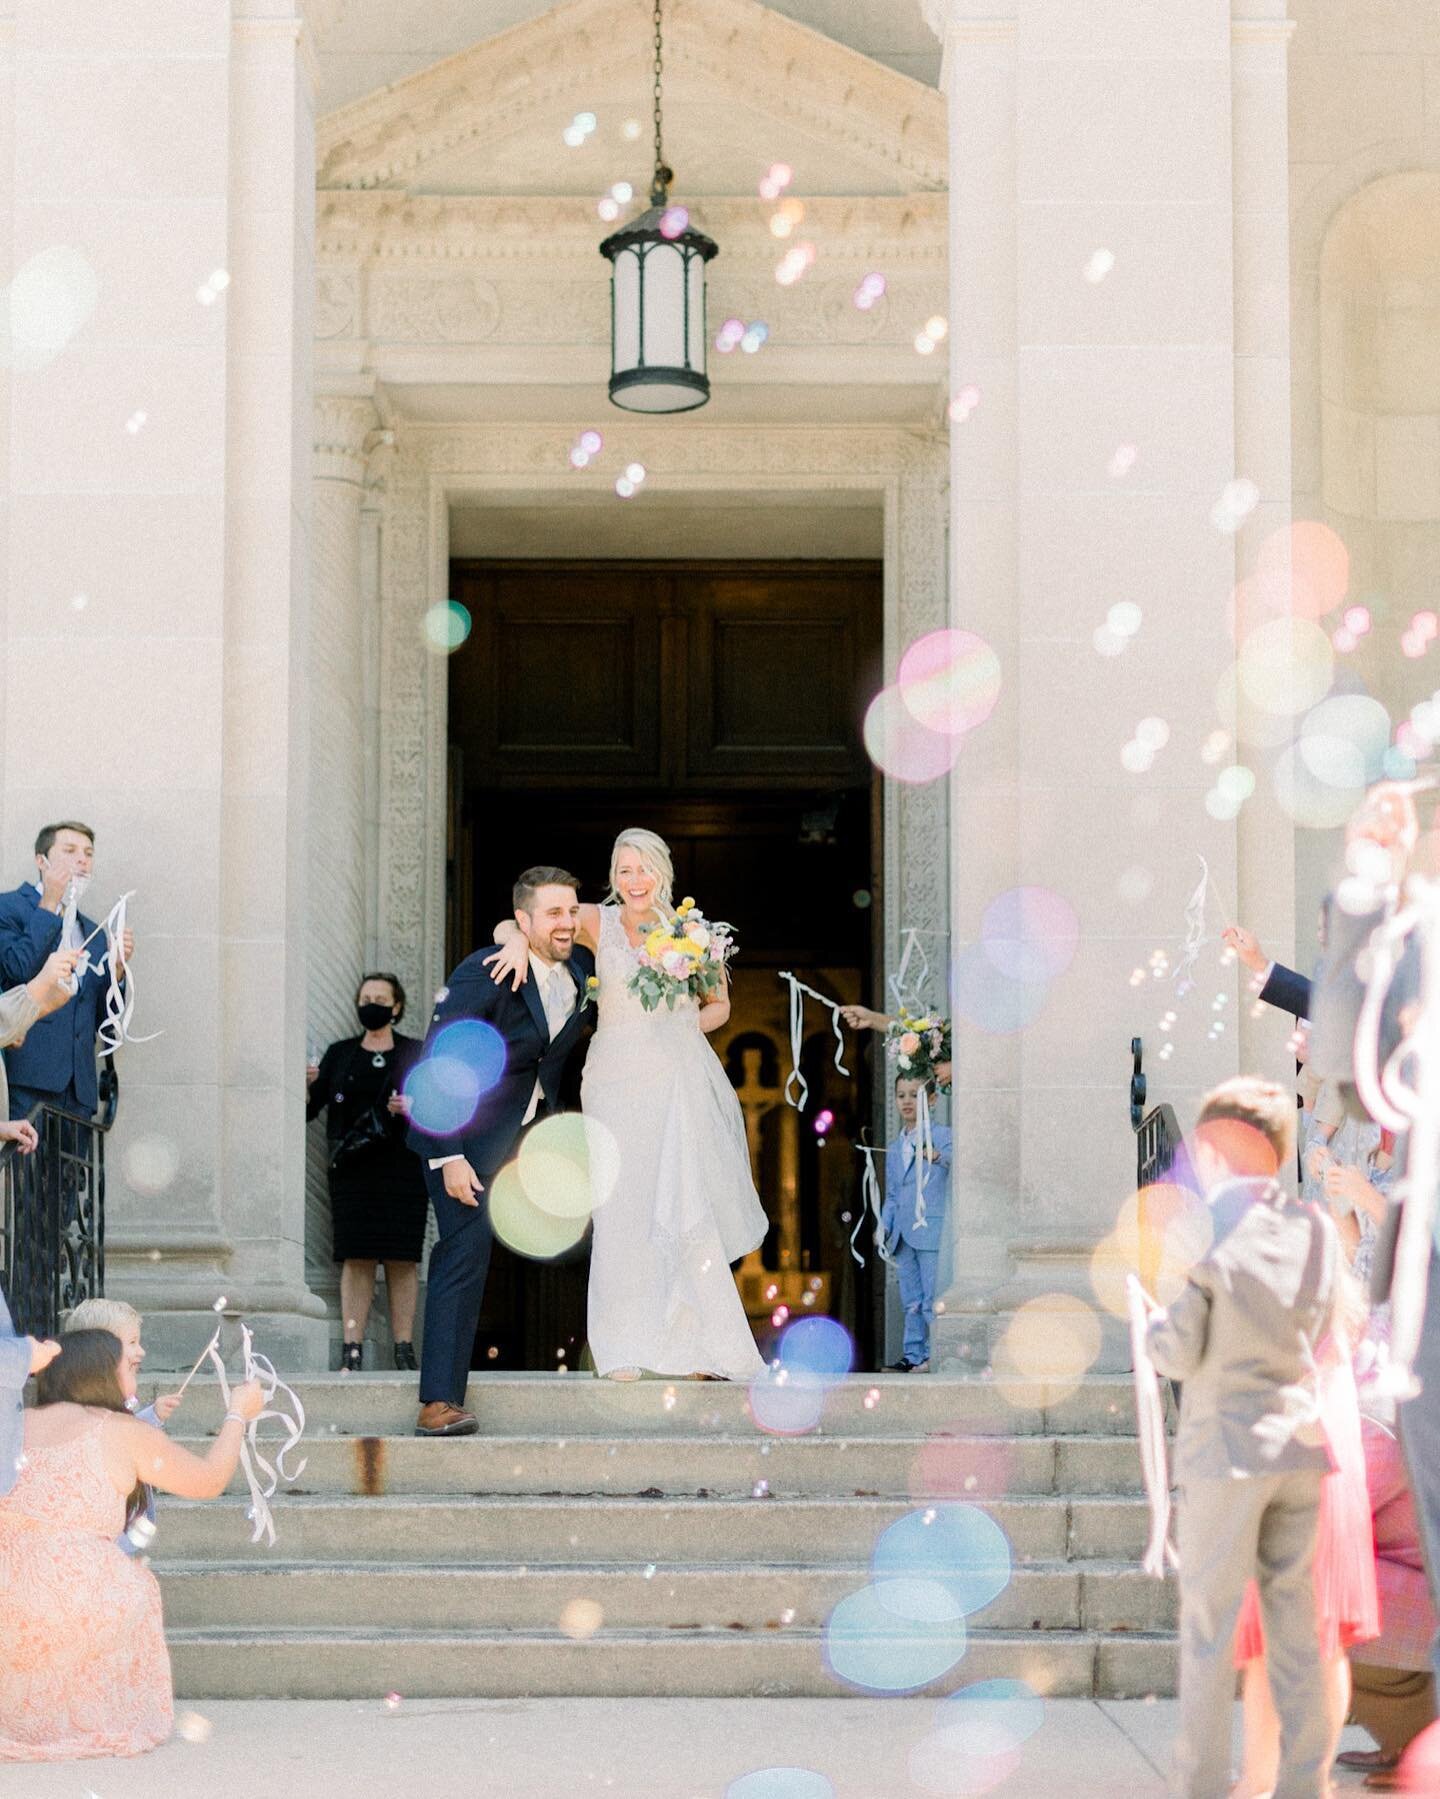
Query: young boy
[[1250, 1456], [915, 1244], [123, 1321]]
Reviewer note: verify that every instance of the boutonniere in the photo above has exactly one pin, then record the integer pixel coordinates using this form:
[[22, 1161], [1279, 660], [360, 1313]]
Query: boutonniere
[[591, 990]]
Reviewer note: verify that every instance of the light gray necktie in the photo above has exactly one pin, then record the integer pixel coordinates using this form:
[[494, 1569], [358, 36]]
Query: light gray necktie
[[557, 1012]]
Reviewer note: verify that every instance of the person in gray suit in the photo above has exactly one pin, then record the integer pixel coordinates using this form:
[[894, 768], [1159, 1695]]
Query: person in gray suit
[[20, 1357], [1250, 1454]]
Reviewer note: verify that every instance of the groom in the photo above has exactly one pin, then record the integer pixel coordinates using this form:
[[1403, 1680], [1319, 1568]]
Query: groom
[[543, 1025]]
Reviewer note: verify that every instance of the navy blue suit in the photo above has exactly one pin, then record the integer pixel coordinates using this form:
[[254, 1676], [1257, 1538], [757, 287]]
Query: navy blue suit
[[1287, 990], [56, 1061], [460, 1259]]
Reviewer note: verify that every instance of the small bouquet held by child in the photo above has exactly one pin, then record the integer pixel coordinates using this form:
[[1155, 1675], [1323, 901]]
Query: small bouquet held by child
[[685, 958], [917, 1045]]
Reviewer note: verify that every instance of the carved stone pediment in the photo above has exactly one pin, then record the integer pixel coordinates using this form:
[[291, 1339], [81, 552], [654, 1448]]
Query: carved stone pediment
[[732, 66]]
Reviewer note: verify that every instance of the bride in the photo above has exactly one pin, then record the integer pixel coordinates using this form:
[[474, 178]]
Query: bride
[[662, 1298]]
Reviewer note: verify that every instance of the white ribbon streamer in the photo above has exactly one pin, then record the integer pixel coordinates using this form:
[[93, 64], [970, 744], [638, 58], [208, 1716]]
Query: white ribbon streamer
[[924, 1146], [798, 990], [870, 1206], [1194, 931], [259, 1367], [1150, 1428], [114, 1028]]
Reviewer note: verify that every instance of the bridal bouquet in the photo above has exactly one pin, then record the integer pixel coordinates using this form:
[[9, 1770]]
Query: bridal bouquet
[[915, 1045], [687, 956]]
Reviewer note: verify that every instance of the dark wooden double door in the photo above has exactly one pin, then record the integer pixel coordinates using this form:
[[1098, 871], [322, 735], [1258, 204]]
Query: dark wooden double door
[[719, 705]]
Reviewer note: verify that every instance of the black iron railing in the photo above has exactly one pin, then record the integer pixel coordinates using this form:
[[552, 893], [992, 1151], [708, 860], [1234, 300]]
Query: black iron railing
[[1158, 1139], [52, 1218]]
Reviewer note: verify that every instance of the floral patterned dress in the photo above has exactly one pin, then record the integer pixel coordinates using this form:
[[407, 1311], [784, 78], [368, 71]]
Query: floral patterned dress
[[83, 1666]]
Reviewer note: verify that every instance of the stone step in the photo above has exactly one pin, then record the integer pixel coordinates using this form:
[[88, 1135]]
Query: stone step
[[733, 1466], [572, 1405], [538, 1530], [1099, 1597], [366, 1662]]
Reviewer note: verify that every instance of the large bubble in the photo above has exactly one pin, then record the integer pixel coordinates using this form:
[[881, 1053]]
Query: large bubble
[[1048, 1348], [979, 1736], [788, 1402], [1030, 933], [569, 1165], [949, 681], [903, 748], [462, 1064], [1318, 567], [990, 998], [1319, 804], [820, 1347], [49, 299], [522, 1226], [867, 1645], [957, 1549], [781, 1783], [1343, 740], [1162, 1231], [1286, 666]]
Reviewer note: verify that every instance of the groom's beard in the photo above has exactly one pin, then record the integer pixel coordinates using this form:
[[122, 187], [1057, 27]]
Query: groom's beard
[[554, 948]]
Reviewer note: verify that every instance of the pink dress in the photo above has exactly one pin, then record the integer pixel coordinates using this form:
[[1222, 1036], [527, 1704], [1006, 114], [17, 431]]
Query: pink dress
[[83, 1665], [1347, 1604]]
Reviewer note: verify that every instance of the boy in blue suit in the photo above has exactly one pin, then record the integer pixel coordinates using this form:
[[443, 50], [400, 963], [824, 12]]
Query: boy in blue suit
[[912, 1241]]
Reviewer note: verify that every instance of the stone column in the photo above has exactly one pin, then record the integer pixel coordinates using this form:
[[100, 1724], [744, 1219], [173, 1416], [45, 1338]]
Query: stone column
[[335, 858], [1094, 306], [159, 497]]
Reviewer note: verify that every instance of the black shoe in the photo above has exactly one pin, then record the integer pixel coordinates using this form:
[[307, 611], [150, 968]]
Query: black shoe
[[405, 1357], [900, 1367], [351, 1358]]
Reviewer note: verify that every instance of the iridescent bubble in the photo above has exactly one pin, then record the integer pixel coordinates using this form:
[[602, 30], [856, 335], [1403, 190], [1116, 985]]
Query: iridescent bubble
[[673, 221], [1099, 266], [819, 1346], [591, 442], [978, 1740], [956, 1548], [1122, 461], [1286, 666], [193, 1728], [50, 297], [1236, 782], [1161, 1232], [151, 1163], [1135, 885], [1238, 499], [990, 999], [1124, 618], [1244, 722], [608, 209], [1315, 803], [1030, 933], [569, 1164], [1318, 564], [964, 404], [1048, 1347], [873, 1648], [464, 1062], [1344, 739], [781, 1783], [447, 625], [787, 1403], [521, 1225], [900, 746], [581, 1618], [949, 681], [1107, 643]]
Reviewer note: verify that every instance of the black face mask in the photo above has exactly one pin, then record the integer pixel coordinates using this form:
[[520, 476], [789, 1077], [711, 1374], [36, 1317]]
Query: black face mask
[[376, 1017]]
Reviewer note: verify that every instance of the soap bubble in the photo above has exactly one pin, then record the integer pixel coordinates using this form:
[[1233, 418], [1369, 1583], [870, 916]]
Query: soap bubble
[[979, 1736], [781, 1783], [151, 1164], [955, 1548], [50, 298], [464, 1062], [1286, 666], [1343, 740], [581, 1618], [1318, 563], [1030, 933], [990, 998], [447, 625], [1161, 1232], [521, 1225], [1048, 1347], [902, 747], [949, 681], [819, 1347], [1316, 803], [192, 1728], [879, 1650], [569, 1164], [788, 1402]]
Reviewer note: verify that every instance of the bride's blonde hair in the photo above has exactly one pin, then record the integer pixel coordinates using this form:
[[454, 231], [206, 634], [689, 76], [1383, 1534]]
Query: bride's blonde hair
[[654, 852]]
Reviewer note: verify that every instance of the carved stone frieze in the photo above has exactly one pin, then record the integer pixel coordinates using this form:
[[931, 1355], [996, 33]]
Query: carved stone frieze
[[337, 303], [343, 424], [507, 84], [447, 307]]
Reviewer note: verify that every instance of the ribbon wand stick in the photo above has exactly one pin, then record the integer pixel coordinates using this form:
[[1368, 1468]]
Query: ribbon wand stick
[[198, 1360]]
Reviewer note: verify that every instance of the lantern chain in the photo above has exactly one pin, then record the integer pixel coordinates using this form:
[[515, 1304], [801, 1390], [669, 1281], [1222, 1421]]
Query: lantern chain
[[659, 191]]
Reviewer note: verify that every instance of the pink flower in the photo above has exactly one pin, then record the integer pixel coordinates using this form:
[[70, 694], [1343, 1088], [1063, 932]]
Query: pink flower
[[676, 964], [909, 1043]]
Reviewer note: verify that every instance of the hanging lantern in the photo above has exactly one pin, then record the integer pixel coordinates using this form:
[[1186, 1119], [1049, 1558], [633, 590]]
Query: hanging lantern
[[657, 296]]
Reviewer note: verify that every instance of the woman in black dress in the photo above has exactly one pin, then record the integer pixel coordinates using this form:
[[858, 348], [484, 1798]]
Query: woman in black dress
[[377, 1188]]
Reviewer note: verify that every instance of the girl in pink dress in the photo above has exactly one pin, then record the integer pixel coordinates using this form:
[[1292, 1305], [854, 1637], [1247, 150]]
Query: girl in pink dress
[[83, 1666], [1347, 1604]]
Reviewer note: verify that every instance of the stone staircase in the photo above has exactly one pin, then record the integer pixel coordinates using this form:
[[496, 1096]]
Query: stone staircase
[[714, 1552]]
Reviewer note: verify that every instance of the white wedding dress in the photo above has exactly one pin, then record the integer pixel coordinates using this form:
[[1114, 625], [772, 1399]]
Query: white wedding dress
[[662, 1297]]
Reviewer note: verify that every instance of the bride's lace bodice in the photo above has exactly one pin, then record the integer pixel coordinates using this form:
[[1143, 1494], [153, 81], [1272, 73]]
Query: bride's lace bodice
[[617, 1007]]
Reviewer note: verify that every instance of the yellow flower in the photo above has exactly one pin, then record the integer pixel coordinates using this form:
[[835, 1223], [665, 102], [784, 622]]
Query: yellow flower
[[693, 950], [592, 982], [686, 905], [658, 941]]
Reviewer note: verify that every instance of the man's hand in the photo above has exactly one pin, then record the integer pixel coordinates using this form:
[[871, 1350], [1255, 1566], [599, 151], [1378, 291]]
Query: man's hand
[[42, 1354], [49, 990], [22, 1133], [53, 882], [1348, 1186], [461, 1182], [166, 1406], [124, 951], [864, 1018], [513, 959], [1246, 946]]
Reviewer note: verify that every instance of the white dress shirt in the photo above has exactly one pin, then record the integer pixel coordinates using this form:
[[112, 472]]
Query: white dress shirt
[[557, 999]]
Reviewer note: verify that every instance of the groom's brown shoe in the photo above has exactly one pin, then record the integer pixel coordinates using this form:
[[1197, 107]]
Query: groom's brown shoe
[[441, 1419]]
